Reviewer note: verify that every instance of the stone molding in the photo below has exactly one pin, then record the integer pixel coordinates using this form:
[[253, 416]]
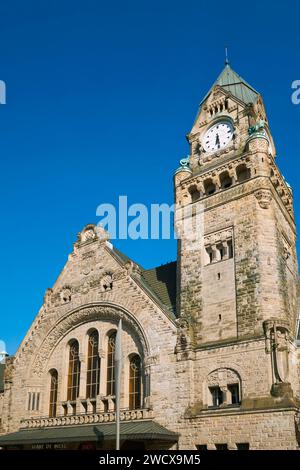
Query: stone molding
[[78, 317]]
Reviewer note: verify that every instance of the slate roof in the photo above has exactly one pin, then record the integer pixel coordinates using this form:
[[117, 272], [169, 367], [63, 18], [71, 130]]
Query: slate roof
[[135, 430], [230, 81], [160, 281]]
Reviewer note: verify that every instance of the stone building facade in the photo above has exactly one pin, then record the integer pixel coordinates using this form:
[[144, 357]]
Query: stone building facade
[[211, 357]]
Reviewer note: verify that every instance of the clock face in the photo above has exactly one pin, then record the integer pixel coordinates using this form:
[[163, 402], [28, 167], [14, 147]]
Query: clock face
[[218, 136]]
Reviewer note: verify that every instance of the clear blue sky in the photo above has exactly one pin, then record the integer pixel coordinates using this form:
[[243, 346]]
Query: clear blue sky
[[100, 96]]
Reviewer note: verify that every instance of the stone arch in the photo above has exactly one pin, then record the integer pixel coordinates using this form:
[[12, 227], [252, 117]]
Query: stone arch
[[222, 375], [243, 172], [209, 186], [223, 379], [78, 317]]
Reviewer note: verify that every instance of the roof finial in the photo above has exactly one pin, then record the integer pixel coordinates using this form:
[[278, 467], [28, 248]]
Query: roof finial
[[226, 56]]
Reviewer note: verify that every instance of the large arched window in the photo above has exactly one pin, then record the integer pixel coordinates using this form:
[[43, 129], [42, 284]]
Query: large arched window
[[93, 366], [74, 371], [110, 387], [135, 382], [53, 393]]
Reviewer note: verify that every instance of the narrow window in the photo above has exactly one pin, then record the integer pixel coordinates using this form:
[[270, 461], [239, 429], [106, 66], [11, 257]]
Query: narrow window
[[110, 388], [93, 366], [37, 401], [53, 393], [33, 401], [230, 249], [221, 252], [221, 447], [209, 257], [242, 446], [29, 401], [234, 391], [135, 383], [216, 396], [74, 371], [202, 447]]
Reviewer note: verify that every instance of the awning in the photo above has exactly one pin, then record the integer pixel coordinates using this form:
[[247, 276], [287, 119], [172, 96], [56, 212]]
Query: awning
[[137, 430]]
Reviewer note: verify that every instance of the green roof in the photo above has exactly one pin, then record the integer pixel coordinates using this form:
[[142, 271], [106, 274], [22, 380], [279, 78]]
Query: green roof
[[162, 281], [230, 81], [135, 430], [159, 281]]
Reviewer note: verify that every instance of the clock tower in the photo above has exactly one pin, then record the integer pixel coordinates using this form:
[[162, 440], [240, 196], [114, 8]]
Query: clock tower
[[238, 281]]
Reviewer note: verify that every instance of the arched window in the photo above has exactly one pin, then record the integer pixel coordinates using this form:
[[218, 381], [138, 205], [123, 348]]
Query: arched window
[[53, 393], [135, 382], [209, 187], [194, 193], [93, 366], [74, 371], [224, 386], [110, 388], [225, 180], [242, 173]]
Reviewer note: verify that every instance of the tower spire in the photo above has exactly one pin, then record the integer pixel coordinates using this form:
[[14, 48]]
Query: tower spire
[[226, 56]]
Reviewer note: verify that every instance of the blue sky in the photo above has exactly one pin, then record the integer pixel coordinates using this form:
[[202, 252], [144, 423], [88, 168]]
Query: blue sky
[[100, 96]]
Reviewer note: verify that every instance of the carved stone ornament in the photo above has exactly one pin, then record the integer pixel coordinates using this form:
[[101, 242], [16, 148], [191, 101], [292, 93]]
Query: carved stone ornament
[[106, 282], [218, 237], [85, 315], [87, 235], [277, 345], [222, 377], [66, 294], [264, 197], [184, 335]]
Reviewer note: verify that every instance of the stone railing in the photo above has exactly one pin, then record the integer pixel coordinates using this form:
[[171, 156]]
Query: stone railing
[[125, 415]]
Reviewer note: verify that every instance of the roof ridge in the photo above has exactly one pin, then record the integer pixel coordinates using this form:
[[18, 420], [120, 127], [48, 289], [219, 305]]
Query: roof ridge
[[160, 266]]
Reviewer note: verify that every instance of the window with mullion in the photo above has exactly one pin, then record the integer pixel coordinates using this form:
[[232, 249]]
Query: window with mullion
[[53, 393], [110, 383], [135, 383], [74, 372], [93, 366]]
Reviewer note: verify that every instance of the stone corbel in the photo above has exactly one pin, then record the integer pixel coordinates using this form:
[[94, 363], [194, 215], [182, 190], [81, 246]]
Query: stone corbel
[[264, 197]]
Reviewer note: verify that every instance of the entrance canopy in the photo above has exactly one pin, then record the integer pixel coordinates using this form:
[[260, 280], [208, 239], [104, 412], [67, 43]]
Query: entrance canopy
[[133, 431]]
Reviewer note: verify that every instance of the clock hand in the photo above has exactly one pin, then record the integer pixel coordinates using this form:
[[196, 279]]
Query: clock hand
[[217, 139]]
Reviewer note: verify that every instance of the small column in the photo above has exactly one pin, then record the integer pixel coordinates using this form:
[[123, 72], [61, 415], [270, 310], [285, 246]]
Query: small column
[[111, 404], [82, 385], [99, 404], [225, 392]]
